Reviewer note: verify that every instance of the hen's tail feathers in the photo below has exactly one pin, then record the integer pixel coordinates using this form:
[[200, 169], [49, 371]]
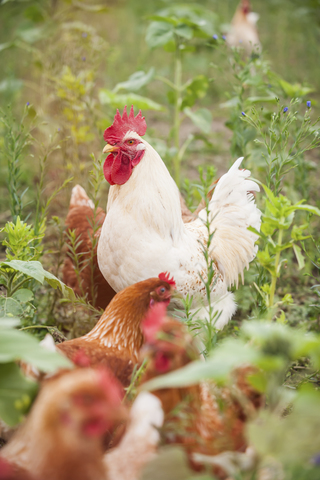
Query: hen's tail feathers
[[80, 198], [232, 211]]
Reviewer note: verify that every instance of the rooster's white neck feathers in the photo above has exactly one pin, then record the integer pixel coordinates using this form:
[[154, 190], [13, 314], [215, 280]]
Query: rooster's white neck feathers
[[151, 181]]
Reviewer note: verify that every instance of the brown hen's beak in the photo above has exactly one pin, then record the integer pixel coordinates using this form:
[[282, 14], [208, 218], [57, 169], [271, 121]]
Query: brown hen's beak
[[110, 148]]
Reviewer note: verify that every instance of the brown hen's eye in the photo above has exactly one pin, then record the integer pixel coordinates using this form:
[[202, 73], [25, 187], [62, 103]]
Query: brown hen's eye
[[130, 142], [162, 290]]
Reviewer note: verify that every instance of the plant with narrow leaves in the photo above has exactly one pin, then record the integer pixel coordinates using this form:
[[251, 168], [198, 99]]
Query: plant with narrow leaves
[[278, 217], [17, 139]]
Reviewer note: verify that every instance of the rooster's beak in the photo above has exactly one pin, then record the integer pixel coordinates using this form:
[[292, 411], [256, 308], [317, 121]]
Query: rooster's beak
[[110, 148]]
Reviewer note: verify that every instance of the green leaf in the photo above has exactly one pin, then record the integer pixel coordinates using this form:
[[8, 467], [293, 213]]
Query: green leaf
[[16, 345], [136, 81], [9, 322], [32, 35], [4, 46], [306, 208], [35, 270], [272, 98], [16, 393], [23, 295], [159, 33], [171, 463], [161, 18], [107, 97], [89, 8], [9, 307], [299, 256], [202, 118], [294, 90], [11, 85], [195, 89], [229, 355], [184, 31]]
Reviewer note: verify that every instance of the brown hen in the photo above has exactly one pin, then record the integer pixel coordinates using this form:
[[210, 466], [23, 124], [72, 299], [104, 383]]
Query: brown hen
[[62, 436], [80, 219], [116, 339]]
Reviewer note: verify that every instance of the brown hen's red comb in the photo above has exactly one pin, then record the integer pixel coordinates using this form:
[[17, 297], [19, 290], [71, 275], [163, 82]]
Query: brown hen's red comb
[[81, 359], [165, 277], [111, 385], [121, 125], [153, 322]]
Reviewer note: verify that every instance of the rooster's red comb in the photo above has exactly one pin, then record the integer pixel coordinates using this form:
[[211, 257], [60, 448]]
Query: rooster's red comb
[[165, 277], [121, 125]]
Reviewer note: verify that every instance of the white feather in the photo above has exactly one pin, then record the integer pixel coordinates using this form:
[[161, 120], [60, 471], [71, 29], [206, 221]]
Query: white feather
[[140, 442]]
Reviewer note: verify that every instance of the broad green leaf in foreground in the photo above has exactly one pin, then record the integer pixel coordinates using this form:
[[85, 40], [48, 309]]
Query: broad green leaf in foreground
[[16, 393], [294, 438], [229, 355], [35, 270], [9, 322], [16, 345]]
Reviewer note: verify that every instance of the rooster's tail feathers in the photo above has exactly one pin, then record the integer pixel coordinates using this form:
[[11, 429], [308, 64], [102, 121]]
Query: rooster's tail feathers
[[80, 198], [232, 211]]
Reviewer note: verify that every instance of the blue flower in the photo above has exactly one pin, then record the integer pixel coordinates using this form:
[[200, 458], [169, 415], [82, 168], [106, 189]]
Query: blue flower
[[285, 109], [28, 103], [84, 59], [215, 36], [84, 34], [223, 37], [59, 129], [316, 459], [308, 104], [242, 113]]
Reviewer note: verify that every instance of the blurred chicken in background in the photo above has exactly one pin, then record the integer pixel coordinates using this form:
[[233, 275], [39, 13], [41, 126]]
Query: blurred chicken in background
[[243, 31]]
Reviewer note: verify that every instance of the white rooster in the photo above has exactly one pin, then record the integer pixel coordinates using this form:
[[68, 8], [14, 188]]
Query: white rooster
[[143, 233]]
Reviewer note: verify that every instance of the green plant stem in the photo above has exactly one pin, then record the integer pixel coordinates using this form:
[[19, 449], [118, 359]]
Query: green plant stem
[[166, 81], [30, 327], [276, 266], [10, 291], [177, 120], [136, 376], [19, 285]]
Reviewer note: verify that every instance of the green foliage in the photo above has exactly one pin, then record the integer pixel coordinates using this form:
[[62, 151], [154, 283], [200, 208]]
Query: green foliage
[[76, 69], [16, 391], [17, 138], [21, 240], [174, 28]]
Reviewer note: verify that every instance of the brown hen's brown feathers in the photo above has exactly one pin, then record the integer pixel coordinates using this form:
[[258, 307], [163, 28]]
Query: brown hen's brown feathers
[[63, 434], [116, 339], [81, 217]]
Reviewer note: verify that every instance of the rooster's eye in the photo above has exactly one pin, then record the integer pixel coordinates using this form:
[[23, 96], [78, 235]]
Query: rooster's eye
[[162, 290], [130, 142]]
